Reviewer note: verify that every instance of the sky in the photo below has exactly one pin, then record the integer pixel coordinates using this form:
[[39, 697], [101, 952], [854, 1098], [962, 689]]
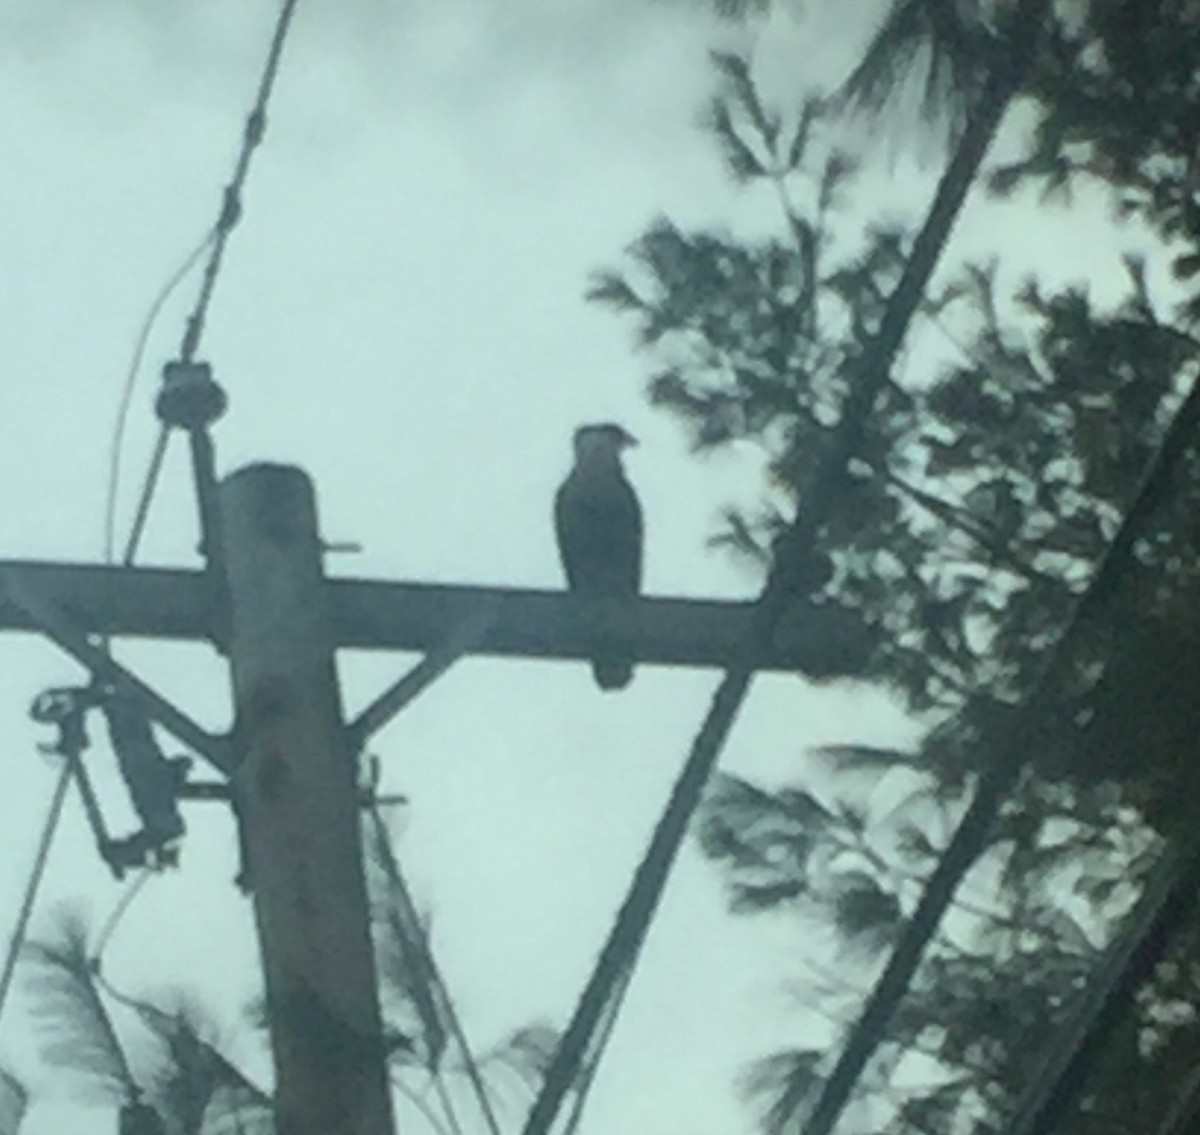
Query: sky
[[401, 312]]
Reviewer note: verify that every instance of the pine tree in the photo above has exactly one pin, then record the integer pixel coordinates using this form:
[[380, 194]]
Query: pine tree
[[990, 485]]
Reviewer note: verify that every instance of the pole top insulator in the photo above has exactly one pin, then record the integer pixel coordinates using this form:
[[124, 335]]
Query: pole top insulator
[[189, 398]]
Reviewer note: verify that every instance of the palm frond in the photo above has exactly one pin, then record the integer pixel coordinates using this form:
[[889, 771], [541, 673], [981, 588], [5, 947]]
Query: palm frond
[[782, 1084], [526, 1052], [234, 1111], [193, 1080], [951, 42], [407, 972], [69, 1011]]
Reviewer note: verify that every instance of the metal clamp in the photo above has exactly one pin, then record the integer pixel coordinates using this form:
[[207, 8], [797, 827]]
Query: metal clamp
[[152, 781]]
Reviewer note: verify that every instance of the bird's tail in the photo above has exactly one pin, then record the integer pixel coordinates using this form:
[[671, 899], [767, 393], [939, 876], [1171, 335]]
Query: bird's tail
[[612, 673]]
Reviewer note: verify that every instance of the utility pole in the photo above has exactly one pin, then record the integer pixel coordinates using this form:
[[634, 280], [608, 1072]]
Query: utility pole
[[296, 791], [289, 763]]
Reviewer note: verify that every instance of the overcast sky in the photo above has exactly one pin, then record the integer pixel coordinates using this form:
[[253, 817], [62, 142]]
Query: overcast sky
[[401, 312]]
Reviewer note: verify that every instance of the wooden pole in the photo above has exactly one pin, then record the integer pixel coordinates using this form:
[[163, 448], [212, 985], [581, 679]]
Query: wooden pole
[[296, 792]]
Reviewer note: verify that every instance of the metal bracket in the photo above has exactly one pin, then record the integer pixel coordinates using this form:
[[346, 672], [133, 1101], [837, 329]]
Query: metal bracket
[[57, 626], [213, 792], [379, 712], [65, 708]]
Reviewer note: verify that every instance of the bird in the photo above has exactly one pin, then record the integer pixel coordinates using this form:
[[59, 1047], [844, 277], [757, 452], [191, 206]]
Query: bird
[[598, 522]]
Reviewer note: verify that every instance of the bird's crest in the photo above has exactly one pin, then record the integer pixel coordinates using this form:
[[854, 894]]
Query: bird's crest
[[608, 436]]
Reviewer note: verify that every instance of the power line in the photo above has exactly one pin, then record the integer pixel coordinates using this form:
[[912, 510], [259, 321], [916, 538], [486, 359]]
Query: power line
[[214, 241], [228, 217], [591, 1063], [1168, 898], [870, 374], [117, 916], [146, 496], [164, 1022], [126, 400], [231, 205], [416, 930], [971, 836], [49, 827]]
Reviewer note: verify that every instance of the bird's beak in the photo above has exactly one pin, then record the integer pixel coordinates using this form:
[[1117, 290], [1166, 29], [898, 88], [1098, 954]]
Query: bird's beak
[[627, 439]]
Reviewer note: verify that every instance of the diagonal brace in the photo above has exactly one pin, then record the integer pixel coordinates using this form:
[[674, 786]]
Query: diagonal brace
[[57, 627], [467, 634]]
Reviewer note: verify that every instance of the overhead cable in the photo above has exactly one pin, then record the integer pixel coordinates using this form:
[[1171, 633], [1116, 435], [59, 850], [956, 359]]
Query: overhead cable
[[227, 219], [118, 435], [117, 916], [971, 836], [231, 203], [1168, 899], [431, 972], [591, 1061], [869, 376], [37, 872]]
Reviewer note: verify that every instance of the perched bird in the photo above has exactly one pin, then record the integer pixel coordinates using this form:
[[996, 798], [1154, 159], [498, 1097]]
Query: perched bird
[[598, 522]]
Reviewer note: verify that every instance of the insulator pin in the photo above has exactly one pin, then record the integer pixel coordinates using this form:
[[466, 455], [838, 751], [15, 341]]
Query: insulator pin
[[189, 398]]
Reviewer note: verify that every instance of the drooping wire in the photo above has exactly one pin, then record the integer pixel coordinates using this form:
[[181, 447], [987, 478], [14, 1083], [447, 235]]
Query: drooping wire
[[113, 922], [164, 1022], [36, 874], [126, 400], [154, 1015], [230, 214]]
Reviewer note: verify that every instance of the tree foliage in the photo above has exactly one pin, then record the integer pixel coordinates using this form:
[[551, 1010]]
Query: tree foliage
[[1009, 443], [161, 1059], [1119, 100]]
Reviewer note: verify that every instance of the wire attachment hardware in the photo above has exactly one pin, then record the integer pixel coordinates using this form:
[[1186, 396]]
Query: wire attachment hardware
[[153, 781], [189, 397], [65, 707]]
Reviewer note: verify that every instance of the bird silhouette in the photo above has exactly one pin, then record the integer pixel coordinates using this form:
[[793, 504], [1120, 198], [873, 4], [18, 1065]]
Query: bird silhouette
[[598, 522]]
